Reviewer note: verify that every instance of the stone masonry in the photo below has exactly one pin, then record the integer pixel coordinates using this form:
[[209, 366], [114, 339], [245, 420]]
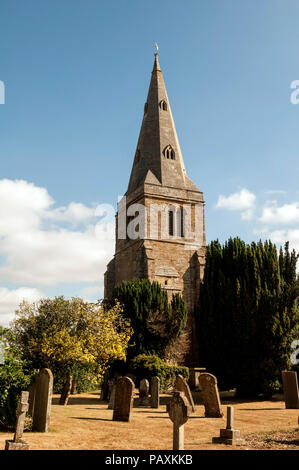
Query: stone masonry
[[173, 257]]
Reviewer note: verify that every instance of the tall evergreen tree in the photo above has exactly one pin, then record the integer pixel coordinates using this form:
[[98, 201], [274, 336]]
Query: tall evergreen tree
[[247, 314], [156, 323]]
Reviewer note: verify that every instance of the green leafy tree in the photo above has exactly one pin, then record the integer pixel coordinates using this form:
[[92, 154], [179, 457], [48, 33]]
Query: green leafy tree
[[247, 314], [157, 324], [70, 337], [14, 378]]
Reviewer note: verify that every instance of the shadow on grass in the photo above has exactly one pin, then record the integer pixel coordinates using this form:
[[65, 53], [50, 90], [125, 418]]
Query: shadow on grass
[[80, 401], [91, 419], [260, 409], [294, 442]]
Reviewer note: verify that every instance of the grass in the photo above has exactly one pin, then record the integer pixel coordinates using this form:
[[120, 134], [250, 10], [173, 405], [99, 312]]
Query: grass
[[86, 424]]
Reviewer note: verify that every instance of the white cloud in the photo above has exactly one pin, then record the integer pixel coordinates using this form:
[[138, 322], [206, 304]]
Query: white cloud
[[243, 201], [10, 300], [36, 256], [274, 215], [93, 291]]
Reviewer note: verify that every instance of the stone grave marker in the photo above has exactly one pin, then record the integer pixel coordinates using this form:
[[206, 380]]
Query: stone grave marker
[[43, 401], [229, 435], [17, 443], [155, 392], [182, 386], [31, 391], [194, 373], [123, 399], [143, 393], [210, 395], [66, 391], [112, 398], [290, 389], [179, 410]]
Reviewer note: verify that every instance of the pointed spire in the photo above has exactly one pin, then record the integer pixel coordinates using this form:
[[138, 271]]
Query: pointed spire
[[158, 158], [156, 63]]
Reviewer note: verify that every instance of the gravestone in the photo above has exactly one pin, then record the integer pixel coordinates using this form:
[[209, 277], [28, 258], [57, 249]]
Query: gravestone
[[43, 400], [182, 386], [17, 443], [123, 399], [229, 435], [31, 391], [290, 389], [143, 393], [112, 398], [194, 373], [210, 395], [155, 392], [64, 397], [179, 410], [74, 387]]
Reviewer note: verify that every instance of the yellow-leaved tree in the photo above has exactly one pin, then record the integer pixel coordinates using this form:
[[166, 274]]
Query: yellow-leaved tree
[[71, 337]]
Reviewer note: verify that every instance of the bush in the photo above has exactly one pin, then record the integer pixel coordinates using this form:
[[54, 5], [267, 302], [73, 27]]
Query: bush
[[145, 367], [14, 378]]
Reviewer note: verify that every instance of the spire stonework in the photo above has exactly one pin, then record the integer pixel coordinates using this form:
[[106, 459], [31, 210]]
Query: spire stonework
[[171, 254]]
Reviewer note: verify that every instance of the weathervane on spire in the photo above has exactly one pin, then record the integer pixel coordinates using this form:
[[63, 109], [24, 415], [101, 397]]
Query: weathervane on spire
[[156, 47]]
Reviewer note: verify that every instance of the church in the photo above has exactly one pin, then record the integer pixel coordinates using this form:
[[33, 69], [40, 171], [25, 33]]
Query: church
[[160, 229]]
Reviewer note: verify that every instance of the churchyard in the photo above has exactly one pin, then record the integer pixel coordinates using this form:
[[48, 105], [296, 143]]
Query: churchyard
[[136, 420]]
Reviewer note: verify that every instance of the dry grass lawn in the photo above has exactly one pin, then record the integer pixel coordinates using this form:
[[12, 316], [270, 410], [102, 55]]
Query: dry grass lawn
[[87, 424]]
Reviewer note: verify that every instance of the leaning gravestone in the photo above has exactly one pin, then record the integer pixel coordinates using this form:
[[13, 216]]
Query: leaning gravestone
[[17, 443], [43, 399], [210, 395], [290, 389], [179, 410], [143, 392], [123, 399], [182, 386], [155, 392], [64, 398]]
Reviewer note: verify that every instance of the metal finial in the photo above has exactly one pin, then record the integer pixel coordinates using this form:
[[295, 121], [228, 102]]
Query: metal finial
[[156, 47]]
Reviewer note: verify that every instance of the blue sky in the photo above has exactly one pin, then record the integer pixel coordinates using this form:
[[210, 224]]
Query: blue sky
[[76, 75]]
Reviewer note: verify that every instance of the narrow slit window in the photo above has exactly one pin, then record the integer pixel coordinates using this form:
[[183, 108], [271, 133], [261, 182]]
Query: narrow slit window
[[163, 105], [170, 223]]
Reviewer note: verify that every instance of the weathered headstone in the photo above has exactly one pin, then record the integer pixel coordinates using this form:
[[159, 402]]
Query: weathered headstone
[[64, 397], [17, 443], [210, 395], [194, 373], [155, 392], [182, 386], [112, 398], [123, 399], [43, 399], [179, 410], [143, 393], [31, 390], [229, 435], [290, 389], [74, 387]]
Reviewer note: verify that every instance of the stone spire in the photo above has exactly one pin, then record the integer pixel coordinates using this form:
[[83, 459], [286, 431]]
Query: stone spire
[[158, 158]]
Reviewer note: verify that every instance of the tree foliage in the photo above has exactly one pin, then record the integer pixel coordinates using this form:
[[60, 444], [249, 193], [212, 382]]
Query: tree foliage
[[14, 377], [247, 314], [70, 336], [157, 324]]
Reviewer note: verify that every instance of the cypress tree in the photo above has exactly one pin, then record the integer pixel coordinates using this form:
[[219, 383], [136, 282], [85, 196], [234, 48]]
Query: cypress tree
[[247, 314]]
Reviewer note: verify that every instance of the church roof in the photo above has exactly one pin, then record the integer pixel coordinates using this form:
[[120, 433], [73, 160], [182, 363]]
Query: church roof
[[158, 158]]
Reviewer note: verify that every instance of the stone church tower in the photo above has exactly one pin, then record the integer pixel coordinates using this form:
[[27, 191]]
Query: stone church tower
[[160, 232]]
